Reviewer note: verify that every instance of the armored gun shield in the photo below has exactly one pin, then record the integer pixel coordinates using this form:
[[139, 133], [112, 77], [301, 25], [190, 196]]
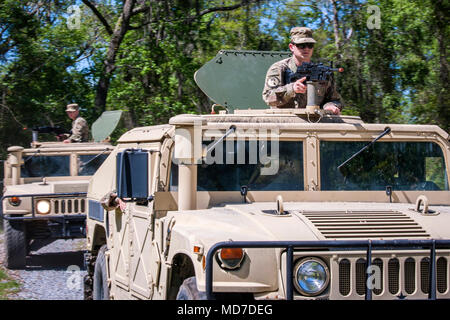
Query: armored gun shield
[[235, 79], [105, 125]]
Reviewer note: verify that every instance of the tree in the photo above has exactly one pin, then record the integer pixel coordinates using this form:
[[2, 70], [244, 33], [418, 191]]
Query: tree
[[156, 13]]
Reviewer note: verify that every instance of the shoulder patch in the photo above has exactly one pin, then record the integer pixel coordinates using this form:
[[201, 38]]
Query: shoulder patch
[[273, 82]]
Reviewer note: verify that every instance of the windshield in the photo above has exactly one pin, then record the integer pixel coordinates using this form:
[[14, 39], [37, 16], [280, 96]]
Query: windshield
[[246, 163], [45, 166], [88, 164], [401, 165]]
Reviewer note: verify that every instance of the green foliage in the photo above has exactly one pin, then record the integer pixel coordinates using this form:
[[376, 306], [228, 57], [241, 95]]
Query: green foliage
[[41, 70], [397, 73]]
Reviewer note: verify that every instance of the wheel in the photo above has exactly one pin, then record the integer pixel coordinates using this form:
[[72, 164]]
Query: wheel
[[87, 287], [188, 290], [15, 244], [100, 289]]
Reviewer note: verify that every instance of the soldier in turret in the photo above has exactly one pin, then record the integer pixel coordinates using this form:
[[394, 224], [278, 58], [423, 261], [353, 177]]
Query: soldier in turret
[[80, 128], [279, 94]]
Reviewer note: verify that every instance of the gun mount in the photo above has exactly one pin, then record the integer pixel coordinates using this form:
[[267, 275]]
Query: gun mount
[[57, 130]]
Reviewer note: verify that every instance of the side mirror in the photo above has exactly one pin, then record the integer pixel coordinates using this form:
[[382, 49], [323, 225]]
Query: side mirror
[[132, 174]]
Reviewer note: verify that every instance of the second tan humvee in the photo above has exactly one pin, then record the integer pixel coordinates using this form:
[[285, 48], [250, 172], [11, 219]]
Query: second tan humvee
[[45, 187]]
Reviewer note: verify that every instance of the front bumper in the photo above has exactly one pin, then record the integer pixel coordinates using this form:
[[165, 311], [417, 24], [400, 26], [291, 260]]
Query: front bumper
[[30, 214], [371, 248]]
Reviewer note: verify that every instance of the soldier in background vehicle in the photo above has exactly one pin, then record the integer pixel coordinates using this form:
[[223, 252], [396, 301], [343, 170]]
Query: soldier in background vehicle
[[279, 94], [80, 129]]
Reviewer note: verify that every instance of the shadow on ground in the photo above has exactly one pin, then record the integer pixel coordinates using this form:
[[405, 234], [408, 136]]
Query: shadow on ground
[[52, 260]]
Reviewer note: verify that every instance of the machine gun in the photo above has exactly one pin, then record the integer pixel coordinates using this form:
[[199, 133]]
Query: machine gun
[[315, 72], [57, 130]]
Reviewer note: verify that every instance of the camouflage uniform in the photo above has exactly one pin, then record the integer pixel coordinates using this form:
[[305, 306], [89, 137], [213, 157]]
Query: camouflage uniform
[[80, 130], [279, 94]]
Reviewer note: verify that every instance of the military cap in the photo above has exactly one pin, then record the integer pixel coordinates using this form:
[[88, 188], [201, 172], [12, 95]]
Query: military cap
[[301, 35], [72, 107]]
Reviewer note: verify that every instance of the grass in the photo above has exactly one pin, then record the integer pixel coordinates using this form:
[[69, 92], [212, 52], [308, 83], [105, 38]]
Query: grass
[[8, 285]]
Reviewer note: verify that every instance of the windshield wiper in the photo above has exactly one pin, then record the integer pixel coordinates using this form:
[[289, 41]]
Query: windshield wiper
[[32, 156], [215, 143], [86, 163], [385, 132]]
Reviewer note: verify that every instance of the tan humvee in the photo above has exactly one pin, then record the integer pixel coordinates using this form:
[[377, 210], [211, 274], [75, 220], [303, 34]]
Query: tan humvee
[[45, 191], [251, 204]]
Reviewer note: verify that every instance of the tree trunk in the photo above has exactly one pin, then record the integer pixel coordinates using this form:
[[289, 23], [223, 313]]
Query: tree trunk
[[121, 28], [442, 89], [337, 41]]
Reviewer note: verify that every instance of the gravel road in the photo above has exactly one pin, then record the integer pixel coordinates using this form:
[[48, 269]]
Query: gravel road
[[54, 270]]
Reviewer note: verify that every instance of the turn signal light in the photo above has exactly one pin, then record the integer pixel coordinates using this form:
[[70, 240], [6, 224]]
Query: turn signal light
[[231, 253], [15, 201], [231, 258]]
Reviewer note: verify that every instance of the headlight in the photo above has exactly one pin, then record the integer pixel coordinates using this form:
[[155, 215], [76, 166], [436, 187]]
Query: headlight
[[311, 276], [43, 206]]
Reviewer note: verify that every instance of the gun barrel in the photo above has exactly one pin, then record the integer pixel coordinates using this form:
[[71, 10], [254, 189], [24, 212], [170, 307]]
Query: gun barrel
[[48, 129]]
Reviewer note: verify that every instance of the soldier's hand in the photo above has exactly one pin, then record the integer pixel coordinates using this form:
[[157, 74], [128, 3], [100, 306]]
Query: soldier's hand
[[331, 107], [299, 87], [67, 141], [122, 204]]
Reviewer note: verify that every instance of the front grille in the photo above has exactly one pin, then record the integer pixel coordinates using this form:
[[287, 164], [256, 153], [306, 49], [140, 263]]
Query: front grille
[[441, 274], [414, 272], [425, 275], [365, 224], [410, 275], [378, 289], [67, 205], [393, 276], [361, 276], [344, 277]]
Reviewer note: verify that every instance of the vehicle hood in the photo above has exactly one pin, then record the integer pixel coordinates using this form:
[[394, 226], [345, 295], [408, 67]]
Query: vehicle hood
[[50, 187], [304, 221]]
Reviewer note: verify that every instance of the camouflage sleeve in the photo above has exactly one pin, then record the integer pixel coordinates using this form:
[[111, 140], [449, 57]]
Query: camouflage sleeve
[[275, 94], [78, 127], [332, 96]]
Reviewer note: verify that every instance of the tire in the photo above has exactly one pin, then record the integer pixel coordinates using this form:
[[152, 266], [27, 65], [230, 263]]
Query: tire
[[15, 244], [188, 290], [87, 287], [100, 289]]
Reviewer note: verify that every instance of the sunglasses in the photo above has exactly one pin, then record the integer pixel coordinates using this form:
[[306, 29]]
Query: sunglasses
[[304, 45]]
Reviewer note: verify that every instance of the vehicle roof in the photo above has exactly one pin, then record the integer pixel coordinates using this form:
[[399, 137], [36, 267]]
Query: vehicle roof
[[69, 147], [282, 119]]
